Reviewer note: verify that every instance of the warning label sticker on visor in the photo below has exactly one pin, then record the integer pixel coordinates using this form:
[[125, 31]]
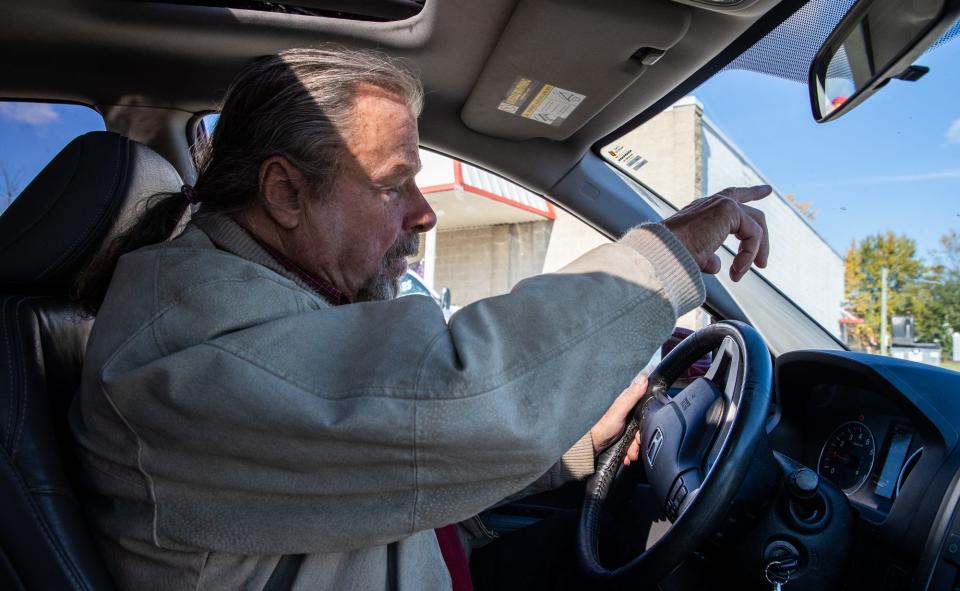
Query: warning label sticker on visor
[[541, 102]]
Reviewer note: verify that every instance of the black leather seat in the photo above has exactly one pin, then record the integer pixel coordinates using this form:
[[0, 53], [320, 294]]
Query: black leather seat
[[56, 225]]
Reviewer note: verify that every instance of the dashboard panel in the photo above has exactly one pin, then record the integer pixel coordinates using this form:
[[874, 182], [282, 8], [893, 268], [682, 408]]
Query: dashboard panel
[[884, 431], [861, 442]]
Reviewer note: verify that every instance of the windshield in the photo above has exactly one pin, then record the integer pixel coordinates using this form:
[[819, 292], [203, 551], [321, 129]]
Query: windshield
[[875, 189]]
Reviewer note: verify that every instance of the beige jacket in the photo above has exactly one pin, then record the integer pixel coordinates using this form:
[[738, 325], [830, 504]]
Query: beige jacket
[[228, 415]]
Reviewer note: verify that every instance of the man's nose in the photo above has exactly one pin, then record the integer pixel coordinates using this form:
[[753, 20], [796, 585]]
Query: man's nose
[[420, 217]]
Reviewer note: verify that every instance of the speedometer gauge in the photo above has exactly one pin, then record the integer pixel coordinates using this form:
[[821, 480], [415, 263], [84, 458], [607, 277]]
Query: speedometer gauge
[[847, 456]]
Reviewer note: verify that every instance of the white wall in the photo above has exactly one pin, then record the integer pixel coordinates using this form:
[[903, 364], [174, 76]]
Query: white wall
[[801, 264], [437, 169]]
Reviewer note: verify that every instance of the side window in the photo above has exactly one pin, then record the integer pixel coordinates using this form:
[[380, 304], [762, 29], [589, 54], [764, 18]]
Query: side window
[[31, 134], [205, 127], [410, 285], [490, 232]]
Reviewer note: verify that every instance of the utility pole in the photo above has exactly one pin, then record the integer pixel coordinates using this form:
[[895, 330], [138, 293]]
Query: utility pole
[[883, 311]]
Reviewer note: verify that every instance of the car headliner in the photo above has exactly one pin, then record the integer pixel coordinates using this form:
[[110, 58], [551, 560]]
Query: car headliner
[[130, 58]]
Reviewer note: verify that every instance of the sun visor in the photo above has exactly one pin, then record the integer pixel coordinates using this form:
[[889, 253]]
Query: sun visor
[[559, 62]]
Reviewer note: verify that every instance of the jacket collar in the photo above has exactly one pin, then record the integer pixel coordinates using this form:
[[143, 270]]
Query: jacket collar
[[226, 234]]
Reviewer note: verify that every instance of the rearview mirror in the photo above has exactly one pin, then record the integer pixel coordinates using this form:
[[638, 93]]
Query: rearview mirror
[[877, 40]]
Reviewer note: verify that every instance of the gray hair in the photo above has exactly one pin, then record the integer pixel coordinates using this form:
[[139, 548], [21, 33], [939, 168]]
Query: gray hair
[[298, 104]]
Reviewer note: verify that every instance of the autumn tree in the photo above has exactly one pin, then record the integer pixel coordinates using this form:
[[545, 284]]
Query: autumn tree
[[863, 268], [940, 314], [804, 207]]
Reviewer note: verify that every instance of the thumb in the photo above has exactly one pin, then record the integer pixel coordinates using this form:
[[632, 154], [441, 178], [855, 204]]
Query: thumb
[[629, 398]]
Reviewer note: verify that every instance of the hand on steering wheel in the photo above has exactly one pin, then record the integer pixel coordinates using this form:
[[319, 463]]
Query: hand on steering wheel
[[614, 422], [695, 447]]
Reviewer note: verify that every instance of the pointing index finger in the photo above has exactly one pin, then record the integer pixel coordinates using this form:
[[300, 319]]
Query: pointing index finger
[[746, 194]]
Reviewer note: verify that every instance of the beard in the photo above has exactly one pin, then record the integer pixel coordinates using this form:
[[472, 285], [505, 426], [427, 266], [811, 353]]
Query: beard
[[385, 284]]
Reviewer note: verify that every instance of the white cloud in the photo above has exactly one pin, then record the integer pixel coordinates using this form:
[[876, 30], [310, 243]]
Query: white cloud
[[953, 132], [950, 173], [38, 114]]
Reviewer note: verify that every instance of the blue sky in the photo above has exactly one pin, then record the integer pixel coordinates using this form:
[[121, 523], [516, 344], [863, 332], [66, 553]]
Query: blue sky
[[891, 163], [31, 134]]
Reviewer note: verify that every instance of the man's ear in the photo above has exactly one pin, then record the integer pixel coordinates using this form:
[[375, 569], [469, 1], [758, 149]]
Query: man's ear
[[283, 190]]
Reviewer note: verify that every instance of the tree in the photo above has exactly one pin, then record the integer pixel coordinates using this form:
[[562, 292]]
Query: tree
[[9, 186], [804, 207], [863, 269], [940, 314]]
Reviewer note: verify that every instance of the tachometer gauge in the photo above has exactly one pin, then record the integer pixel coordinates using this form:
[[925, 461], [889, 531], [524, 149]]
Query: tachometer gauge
[[847, 456]]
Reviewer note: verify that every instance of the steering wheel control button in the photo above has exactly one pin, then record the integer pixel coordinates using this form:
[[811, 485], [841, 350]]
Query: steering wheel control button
[[951, 550], [678, 493], [653, 448]]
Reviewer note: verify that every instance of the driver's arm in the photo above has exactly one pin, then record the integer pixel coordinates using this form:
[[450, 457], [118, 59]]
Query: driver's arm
[[264, 431]]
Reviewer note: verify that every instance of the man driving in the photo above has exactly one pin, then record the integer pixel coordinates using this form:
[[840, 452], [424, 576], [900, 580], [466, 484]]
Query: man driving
[[252, 389]]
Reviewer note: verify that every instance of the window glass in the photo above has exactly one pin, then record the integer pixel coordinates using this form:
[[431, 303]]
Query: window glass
[[31, 134], [863, 208], [410, 285], [205, 126], [491, 233]]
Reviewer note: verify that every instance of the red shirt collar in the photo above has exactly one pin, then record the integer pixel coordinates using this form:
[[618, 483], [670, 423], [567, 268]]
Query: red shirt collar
[[322, 287]]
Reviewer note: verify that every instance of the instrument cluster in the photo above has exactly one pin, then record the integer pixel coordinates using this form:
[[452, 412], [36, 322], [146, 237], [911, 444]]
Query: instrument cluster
[[861, 443]]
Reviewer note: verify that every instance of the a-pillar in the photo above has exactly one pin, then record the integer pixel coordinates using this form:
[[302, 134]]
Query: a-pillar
[[430, 258]]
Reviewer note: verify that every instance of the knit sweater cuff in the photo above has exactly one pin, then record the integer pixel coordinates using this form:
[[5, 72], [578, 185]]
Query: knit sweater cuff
[[578, 463], [672, 263]]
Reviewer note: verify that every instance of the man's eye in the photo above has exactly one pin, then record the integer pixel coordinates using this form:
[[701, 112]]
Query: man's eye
[[392, 192]]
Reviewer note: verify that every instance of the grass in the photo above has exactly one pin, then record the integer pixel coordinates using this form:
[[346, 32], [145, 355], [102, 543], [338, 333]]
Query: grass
[[954, 365]]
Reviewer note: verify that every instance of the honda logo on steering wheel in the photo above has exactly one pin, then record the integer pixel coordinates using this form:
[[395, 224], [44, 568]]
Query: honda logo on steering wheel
[[653, 448]]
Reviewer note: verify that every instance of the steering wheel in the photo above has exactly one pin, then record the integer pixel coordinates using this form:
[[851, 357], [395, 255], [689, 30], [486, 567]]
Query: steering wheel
[[695, 447]]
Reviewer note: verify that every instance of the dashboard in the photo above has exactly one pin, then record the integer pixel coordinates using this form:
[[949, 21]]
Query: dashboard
[[884, 431], [862, 443]]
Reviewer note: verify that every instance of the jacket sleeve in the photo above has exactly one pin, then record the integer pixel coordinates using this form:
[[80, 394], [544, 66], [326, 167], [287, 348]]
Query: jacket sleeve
[[354, 426]]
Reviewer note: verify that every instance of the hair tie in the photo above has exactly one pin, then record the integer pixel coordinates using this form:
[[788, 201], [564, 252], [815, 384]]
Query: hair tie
[[190, 194]]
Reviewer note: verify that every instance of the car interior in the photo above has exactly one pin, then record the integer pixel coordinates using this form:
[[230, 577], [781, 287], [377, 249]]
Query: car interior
[[791, 460]]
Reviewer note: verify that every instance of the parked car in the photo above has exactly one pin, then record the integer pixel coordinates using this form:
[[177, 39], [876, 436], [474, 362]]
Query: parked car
[[412, 284], [812, 465]]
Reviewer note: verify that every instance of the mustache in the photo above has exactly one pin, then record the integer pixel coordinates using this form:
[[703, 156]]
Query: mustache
[[385, 283], [406, 245]]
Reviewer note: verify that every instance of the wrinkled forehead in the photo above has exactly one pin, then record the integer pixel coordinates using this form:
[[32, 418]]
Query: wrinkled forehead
[[384, 137]]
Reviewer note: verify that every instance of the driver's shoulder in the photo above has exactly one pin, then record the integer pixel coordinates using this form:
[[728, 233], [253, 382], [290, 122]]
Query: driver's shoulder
[[184, 291], [190, 265]]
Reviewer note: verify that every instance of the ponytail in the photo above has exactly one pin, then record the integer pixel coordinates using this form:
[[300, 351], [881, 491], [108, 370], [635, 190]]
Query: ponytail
[[160, 218], [297, 104]]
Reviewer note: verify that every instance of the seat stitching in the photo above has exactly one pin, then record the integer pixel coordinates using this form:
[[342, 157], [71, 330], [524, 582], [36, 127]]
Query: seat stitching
[[23, 395], [96, 214], [25, 386], [37, 514], [6, 339], [203, 565]]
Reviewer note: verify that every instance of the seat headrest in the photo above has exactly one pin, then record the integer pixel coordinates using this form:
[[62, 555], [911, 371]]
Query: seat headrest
[[73, 206]]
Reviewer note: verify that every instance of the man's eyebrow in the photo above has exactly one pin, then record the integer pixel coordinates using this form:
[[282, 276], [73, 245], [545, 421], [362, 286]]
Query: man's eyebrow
[[403, 170]]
